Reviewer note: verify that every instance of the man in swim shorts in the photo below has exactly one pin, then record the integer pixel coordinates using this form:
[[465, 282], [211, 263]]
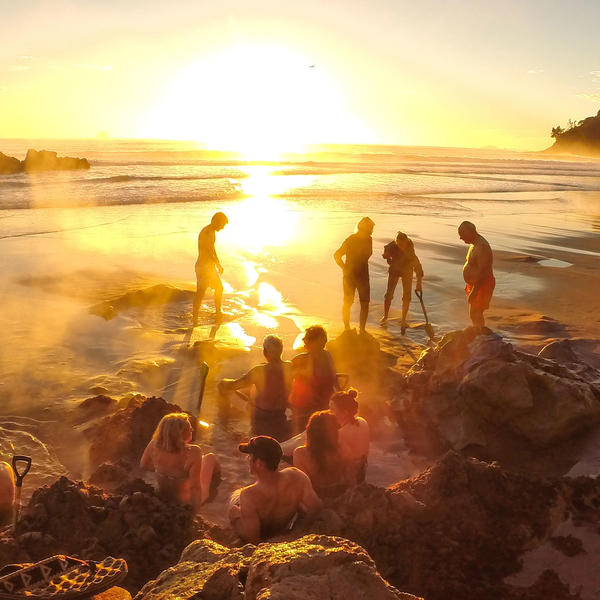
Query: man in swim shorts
[[401, 257], [477, 273], [357, 249], [272, 383], [208, 268], [268, 507]]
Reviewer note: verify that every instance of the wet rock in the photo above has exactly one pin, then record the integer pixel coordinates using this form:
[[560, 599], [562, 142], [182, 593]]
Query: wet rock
[[110, 476], [125, 434], [9, 164], [312, 567], [471, 389], [45, 160], [97, 403]]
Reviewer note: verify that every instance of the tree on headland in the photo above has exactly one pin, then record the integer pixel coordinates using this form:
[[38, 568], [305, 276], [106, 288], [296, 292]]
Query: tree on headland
[[580, 137]]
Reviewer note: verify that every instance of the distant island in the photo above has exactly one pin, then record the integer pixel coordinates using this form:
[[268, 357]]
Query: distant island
[[580, 137], [44, 160]]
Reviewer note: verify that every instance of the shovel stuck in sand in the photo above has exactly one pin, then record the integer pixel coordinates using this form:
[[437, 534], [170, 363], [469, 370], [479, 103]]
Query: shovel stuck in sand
[[19, 476], [428, 325]]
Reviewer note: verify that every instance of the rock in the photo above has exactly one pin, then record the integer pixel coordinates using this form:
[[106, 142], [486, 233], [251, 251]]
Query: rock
[[133, 523], [9, 165], [109, 477], [114, 593], [312, 567], [45, 160], [470, 391], [125, 434], [100, 402]]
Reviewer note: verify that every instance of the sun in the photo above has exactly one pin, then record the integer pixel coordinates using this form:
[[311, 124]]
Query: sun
[[258, 100]]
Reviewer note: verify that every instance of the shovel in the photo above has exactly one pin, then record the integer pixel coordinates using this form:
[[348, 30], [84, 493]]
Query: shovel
[[203, 376], [428, 325], [19, 476]]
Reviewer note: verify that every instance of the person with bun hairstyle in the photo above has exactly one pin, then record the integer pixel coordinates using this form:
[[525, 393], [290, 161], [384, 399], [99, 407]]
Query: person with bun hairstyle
[[354, 435], [183, 474], [321, 457]]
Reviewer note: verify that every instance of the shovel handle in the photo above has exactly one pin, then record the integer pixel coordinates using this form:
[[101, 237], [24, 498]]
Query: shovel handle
[[20, 475], [419, 294]]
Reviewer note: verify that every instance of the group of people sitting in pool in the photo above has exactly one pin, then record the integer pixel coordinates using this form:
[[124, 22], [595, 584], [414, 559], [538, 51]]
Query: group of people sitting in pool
[[328, 455]]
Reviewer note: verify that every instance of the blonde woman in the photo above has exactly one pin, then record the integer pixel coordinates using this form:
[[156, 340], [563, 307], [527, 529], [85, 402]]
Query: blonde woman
[[183, 474], [7, 492]]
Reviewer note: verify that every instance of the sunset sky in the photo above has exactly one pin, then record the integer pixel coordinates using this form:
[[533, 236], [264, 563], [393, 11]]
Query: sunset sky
[[278, 73]]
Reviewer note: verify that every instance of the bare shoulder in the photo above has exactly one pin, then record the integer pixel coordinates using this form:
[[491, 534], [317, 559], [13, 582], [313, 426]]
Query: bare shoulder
[[294, 475], [194, 450]]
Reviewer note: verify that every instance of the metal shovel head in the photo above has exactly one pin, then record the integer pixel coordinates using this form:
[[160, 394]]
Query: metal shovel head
[[429, 330]]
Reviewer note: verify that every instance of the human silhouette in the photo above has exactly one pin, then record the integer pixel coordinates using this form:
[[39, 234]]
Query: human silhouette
[[208, 268], [477, 273], [401, 257], [357, 249], [272, 383]]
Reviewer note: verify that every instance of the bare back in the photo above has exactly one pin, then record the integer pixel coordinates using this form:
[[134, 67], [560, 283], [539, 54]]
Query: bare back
[[479, 262], [275, 504]]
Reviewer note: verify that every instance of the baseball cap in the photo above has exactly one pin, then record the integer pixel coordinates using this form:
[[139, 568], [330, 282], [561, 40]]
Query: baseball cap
[[264, 447]]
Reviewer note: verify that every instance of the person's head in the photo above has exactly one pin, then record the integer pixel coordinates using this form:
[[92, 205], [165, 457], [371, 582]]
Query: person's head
[[402, 241], [272, 348], [219, 220], [322, 438], [365, 226], [467, 232], [173, 432], [264, 454], [315, 338], [344, 406]]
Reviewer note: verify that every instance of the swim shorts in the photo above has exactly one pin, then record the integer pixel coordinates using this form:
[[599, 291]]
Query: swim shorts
[[207, 277], [484, 294], [352, 284]]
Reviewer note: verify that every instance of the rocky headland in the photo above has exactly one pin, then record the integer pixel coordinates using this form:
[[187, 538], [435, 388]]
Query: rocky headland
[[43, 160], [581, 138]]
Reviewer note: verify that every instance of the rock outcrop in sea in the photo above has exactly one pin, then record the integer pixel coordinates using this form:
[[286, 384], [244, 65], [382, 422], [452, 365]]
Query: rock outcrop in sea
[[42, 160], [582, 138]]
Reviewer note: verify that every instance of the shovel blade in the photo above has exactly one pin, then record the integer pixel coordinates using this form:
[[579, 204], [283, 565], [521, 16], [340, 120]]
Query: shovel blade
[[429, 330]]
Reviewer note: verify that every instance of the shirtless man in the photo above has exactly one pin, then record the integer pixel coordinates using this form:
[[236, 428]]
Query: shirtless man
[[477, 273], [357, 249], [272, 383], [208, 268], [267, 507]]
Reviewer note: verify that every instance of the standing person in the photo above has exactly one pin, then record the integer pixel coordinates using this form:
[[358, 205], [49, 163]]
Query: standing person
[[353, 433], [357, 249], [477, 272], [208, 268], [182, 473], [269, 506], [401, 257], [314, 378], [272, 382]]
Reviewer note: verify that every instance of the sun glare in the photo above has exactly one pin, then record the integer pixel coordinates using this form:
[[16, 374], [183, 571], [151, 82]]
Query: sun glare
[[258, 100]]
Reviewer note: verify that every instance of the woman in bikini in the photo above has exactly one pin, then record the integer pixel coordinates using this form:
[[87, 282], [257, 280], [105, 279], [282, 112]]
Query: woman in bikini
[[321, 458], [353, 433], [183, 474]]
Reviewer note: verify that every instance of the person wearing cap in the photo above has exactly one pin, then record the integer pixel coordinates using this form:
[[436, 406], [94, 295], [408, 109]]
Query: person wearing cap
[[400, 256], [208, 268], [270, 505], [357, 249], [272, 383]]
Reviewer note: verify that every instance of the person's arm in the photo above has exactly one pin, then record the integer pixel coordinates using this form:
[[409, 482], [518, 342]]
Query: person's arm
[[475, 265], [244, 518], [245, 381], [298, 459], [338, 254], [310, 502], [195, 473], [418, 272], [146, 461]]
